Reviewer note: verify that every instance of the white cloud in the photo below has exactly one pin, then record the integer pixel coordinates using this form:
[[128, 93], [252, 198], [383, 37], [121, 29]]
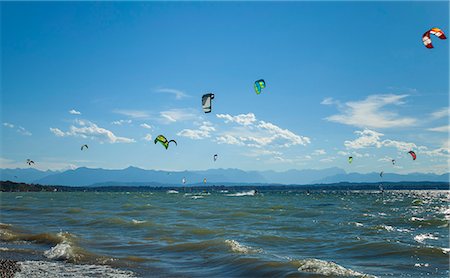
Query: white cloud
[[87, 129], [23, 131], [258, 134], [367, 138], [57, 132], [137, 114], [319, 152], [148, 137], [369, 113], [229, 139], [144, 125], [20, 129], [121, 122], [178, 94], [242, 119], [441, 113], [329, 101], [178, 115], [74, 112], [444, 128], [202, 132]]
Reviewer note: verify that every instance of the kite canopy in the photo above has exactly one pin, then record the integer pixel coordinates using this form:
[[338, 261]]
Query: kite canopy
[[381, 174], [161, 139], [183, 180], [29, 162], [215, 157], [259, 85], [413, 154], [204, 180], [206, 102], [393, 161], [433, 31], [84, 146], [350, 159]]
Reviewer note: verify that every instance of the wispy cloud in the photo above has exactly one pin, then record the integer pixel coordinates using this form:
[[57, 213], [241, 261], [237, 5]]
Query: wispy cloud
[[148, 137], [444, 128], [8, 125], [23, 131], [242, 119], [147, 126], [255, 133], [137, 114], [319, 152], [87, 129], [20, 129], [121, 122], [371, 112], [204, 131], [74, 112], [178, 115], [441, 113], [177, 93]]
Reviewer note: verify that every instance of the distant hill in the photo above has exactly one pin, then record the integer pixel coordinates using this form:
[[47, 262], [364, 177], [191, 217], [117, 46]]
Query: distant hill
[[133, 176], [27, 175]]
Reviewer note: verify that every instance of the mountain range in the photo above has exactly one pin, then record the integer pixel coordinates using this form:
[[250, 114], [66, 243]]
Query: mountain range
[[132, 176]]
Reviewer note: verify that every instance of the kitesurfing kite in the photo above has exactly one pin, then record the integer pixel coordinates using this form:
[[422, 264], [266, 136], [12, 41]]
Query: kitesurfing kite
[[29, 162], [183, 180], [84, 146], [215, 157], [207, 102], [381, 174], [413, 154], [161, 139], [350, 159], [259, 85], [433, 31], [393, 161], [204, 180]]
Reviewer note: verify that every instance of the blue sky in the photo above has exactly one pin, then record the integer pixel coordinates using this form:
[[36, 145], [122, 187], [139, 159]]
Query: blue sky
[[343, 79]]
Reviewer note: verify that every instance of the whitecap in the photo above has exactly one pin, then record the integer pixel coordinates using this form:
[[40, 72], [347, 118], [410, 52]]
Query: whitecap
[[240, 248], [328, 268], [138, 221], [246, 193], [172, 192], [422, 237]]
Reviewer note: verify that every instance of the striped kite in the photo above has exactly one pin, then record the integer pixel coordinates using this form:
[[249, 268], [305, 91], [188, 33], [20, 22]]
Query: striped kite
[[433, 31], [259, 85], [161, 139]]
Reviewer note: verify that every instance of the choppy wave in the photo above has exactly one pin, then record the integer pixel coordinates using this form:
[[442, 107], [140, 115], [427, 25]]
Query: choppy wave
[[327, 268], [422, 237], [237, 247], [39, 269], [240, 194], [172, 192]]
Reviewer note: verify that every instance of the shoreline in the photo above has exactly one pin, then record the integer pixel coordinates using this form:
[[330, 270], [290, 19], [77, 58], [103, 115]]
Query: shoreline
[[9, 186]]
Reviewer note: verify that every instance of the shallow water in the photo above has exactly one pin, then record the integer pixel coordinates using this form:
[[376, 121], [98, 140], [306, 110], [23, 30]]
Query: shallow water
[[228, 234]]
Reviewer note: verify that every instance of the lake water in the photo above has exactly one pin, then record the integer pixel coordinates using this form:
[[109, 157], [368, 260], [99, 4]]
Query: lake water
[[224, 233]]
